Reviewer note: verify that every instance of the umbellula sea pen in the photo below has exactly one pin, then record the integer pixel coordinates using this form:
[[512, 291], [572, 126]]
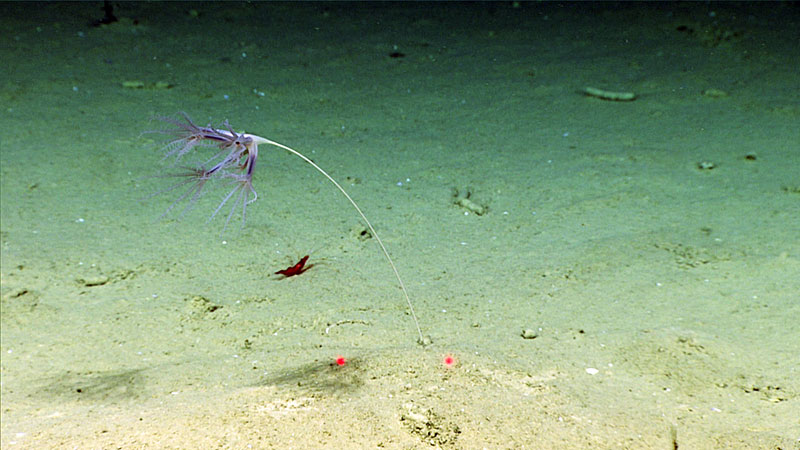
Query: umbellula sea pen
[[235, 161]]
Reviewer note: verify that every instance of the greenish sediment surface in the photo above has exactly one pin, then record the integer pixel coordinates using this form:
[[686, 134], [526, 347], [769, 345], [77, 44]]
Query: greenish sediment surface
[[592, 274]]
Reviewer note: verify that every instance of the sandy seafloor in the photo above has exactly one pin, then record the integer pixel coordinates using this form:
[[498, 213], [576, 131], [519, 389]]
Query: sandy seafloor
[[651, 246]]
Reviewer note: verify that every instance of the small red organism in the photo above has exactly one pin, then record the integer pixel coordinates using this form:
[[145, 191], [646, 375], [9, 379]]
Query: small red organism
[[296, 269]]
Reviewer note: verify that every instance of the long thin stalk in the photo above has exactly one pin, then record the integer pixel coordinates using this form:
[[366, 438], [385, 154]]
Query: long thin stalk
[[260, 140]]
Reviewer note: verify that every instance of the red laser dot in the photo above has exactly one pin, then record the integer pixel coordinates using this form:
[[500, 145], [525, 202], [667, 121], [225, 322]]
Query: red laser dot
[[449, 360], [340, 361]]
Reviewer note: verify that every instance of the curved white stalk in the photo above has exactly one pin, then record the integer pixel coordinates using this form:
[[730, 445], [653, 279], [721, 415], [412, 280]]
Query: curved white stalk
[[260, 140]]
